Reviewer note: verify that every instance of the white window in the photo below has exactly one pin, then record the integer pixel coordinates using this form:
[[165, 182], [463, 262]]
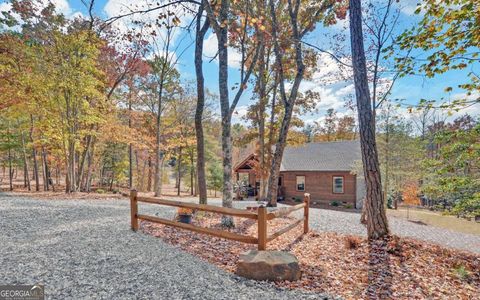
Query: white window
[[300, 183], [338, 184]]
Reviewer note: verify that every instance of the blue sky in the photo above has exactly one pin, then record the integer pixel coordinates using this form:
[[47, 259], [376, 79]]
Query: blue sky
[[411, 88]]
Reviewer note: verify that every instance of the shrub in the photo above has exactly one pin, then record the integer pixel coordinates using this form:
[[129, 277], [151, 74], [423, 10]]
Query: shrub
[[348, 205], [297, 199], [461, 272], [352, 242], [390, 201], [100, 191], [334, 203]]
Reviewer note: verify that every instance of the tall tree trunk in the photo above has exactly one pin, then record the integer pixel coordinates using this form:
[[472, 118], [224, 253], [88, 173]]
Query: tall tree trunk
[[277, 157], [25, 162], [271, 132], [10, 170], [149, 181], [88, 175], [141, 179], [262, 103], [34, 156], [24, 176], [222, 37], [81, 166], [179, 171], [111, 181], [220, 23], [130, 154], [46, 171], [137, 170], [158, 151], [192, 174], [377, 225], [44, 174], [57, 174], [387, 155], [199, 38], [72, 185]]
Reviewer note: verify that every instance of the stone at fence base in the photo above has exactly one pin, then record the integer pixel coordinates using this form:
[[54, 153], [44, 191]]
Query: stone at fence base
[[268, 265]]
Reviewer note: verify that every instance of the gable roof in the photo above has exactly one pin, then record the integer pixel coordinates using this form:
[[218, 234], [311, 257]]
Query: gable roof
[[322, 156], [245, 164]]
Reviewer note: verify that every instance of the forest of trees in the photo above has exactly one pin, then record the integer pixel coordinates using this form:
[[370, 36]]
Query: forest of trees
[[84, 105], [77, 112]]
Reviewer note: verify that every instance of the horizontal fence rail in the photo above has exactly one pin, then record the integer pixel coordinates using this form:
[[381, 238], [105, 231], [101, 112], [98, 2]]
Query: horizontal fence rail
[[261, 216]]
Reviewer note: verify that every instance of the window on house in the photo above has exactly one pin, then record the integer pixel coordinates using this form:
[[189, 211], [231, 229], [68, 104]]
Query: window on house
[[338, 184], [300, 183], [280, 181]]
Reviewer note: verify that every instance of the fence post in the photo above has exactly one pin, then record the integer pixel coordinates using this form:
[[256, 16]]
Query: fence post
[[134, 209], [306, 200], [262, 228]]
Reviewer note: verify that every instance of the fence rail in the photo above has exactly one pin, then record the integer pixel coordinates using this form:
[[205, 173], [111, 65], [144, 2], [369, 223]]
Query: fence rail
[[261, 216]]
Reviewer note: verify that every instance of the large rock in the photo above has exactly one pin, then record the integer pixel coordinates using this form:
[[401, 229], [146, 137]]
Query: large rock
[[268, 265]]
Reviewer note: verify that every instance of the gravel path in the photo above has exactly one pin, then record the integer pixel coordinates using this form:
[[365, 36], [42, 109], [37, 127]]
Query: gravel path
[[85, 249]]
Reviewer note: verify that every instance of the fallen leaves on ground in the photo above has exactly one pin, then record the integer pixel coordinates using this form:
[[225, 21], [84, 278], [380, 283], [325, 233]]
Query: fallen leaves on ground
[[390, 268]]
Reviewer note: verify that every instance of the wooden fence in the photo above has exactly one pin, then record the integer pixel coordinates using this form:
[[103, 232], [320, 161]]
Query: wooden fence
[[262, 216]]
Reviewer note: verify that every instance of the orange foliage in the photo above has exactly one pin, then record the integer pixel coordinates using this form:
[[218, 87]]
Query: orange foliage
[[410, 194]]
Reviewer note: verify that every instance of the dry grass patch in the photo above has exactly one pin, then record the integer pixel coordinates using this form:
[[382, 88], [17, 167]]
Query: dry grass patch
[[59, 194], [352, 241]]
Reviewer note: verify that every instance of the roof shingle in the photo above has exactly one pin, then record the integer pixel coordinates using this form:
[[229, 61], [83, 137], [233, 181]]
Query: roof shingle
[[322, 156]]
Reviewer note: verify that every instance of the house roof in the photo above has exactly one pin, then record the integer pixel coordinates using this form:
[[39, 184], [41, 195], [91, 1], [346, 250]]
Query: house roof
[[322, 156]]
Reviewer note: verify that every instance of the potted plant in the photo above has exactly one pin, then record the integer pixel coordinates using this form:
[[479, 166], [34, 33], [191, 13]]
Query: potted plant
[[185, 215]]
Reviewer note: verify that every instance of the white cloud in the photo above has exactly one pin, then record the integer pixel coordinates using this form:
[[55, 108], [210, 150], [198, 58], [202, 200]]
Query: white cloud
[[210, 48], [238, 114], [62, 6], [5, 6], [321, 119], [334, 82], [408, 7], [77, 14], [472, 109], [331, 82], [156, 35], [115, 8]]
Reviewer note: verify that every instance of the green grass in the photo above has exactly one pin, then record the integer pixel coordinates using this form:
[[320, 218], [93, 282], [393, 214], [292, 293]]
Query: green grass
[[461, 272], [438, 220]]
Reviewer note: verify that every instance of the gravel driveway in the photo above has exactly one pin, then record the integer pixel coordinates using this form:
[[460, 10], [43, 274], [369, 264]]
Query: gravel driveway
[[85, 249]]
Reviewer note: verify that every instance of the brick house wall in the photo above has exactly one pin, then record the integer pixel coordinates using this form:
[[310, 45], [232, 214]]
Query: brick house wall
[[320, 186]]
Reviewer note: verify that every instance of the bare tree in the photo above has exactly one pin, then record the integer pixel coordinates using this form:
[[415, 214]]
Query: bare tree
[[201, 30], [219, 23]]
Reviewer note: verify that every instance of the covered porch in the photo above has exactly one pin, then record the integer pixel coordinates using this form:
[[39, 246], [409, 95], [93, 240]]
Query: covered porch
[[246, 179], [248, 183]]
